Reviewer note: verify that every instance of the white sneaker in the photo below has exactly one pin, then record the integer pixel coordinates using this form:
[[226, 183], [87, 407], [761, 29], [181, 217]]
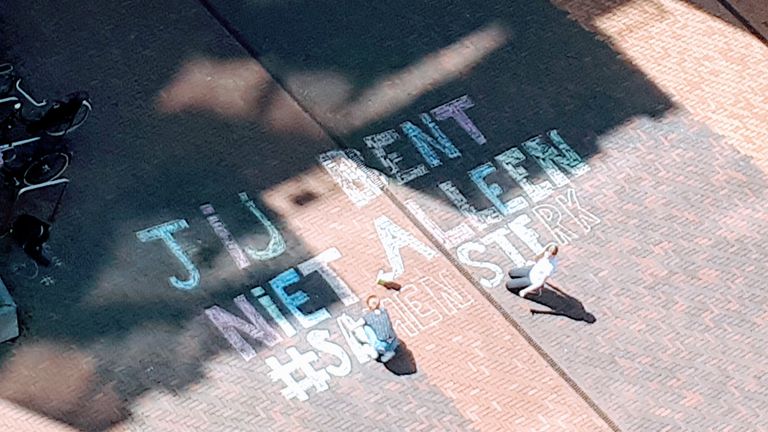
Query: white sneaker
[[370, 351], [387, 356]]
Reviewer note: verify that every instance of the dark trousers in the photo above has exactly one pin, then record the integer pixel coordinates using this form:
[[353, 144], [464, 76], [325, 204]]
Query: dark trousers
[[519, 278], [31, 233]]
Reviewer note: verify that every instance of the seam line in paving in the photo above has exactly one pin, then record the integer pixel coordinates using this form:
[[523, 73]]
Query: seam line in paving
[[445, 252], [744, 21]]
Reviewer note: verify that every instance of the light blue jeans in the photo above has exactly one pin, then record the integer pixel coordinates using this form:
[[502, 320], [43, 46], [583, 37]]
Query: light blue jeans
[[380, 346]]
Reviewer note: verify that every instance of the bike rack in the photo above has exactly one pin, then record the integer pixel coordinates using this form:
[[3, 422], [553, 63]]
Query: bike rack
[[61, 181], [30, 98], [11, 212]]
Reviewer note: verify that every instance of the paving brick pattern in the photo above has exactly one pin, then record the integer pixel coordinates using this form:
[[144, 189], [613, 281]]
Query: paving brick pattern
[[16, 418], [678, 208], [707, 65], [111, 345], [474, 372], [671, 271]]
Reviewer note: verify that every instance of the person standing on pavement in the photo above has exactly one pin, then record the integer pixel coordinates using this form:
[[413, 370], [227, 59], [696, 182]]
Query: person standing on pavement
[[31, 234], [530, 278], [379, 331]]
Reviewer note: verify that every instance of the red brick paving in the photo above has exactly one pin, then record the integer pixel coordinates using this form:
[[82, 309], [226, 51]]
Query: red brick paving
[[709, 66], [671, 272]]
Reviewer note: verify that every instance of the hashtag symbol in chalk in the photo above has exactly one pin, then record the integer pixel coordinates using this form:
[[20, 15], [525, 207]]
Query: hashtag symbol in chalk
[[299, 363], [47, 281]]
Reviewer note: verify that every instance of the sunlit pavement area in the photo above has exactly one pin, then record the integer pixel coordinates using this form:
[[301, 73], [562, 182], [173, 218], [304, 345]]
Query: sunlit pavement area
[[251, 168]]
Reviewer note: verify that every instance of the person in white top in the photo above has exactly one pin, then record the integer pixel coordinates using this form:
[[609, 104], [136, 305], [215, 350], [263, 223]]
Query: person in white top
[[530, 278]]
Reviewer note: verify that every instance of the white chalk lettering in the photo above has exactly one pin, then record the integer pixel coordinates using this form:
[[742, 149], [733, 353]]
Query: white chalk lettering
[[414, 299], [460, 233], [463, 252], [527, 235], [570, 203], [299, 363], [453, 298], [320, 264], [393, 238], [499, 238], [402, 320], [480, 219], [378, 142], [551, 218], [319, 341], [361, 184]]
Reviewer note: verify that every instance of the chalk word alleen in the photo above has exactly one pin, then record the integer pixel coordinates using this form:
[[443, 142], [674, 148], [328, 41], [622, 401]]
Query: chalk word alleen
[[362, 185], [550, 151]]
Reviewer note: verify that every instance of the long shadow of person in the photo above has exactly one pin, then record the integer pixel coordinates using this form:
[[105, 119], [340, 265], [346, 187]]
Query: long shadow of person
[[560, 304], [403, 363]]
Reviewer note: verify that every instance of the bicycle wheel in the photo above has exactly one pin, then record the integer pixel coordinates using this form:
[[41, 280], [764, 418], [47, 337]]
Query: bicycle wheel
[[47, 168], [78, 118]]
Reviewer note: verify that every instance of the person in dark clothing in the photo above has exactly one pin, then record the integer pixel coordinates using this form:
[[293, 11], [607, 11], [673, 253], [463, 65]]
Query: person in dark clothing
[[31, 233]]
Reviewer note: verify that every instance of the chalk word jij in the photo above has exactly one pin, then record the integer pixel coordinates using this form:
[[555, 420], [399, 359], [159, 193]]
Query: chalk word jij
[[243, 256]]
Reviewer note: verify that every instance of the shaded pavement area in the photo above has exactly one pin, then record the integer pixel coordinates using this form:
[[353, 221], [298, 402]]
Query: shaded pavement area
[[443, 145]]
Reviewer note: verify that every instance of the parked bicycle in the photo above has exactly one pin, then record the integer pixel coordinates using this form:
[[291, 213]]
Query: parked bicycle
[[22, 161]]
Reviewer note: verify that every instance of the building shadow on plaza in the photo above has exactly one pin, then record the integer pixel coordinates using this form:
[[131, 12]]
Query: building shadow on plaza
[[541, 71]]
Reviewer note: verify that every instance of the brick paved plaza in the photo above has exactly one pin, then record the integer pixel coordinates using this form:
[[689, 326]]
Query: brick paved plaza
[[252, 167]]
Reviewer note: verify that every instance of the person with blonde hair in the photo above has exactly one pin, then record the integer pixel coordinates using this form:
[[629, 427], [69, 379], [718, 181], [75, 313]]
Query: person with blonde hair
[[530, 278]]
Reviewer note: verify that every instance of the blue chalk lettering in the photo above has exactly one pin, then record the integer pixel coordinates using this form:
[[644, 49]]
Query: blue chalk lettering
[[425, 143], [165, 232], [548, 157], [273, 311], [298, 298], [493, 191], [276, 244]]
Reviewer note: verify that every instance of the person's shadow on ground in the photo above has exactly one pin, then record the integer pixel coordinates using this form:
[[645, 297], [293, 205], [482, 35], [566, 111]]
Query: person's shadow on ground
[[403, 363], [559, 303]]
